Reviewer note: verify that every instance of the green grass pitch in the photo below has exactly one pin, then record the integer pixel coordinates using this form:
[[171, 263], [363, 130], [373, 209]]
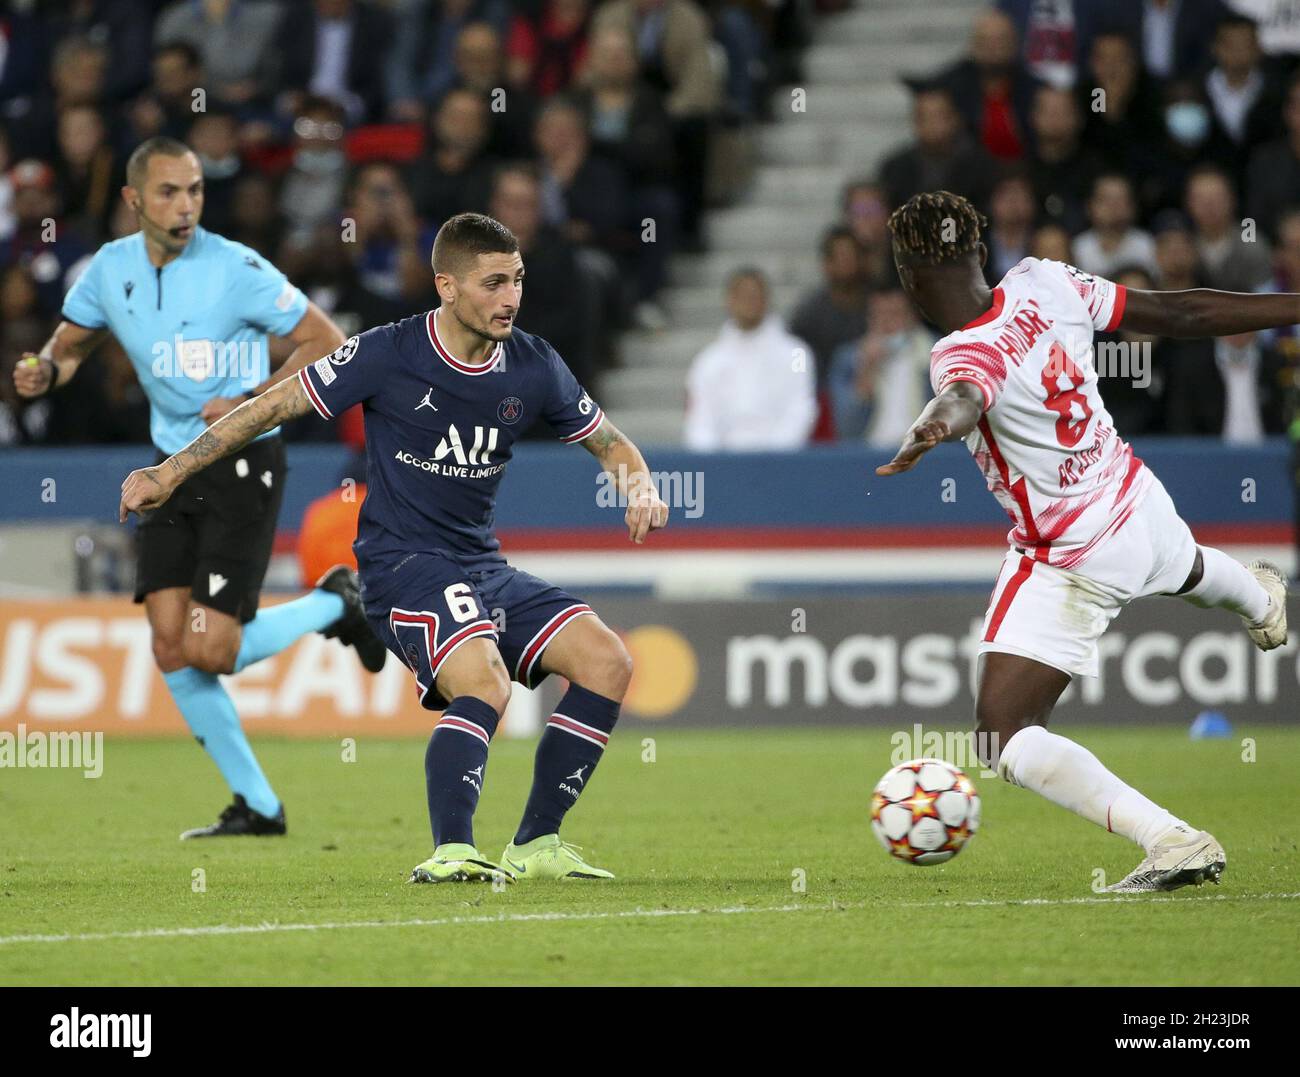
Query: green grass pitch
[[708, 842]]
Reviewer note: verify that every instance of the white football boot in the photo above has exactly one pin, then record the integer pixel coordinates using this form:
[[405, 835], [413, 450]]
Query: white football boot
[[1175, 863], [1271, 631]]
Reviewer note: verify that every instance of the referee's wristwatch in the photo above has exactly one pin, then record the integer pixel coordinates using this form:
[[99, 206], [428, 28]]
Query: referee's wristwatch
[[54, 377]]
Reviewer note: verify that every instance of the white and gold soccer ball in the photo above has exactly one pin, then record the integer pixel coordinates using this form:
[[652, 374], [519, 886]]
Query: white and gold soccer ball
[[925, 811]]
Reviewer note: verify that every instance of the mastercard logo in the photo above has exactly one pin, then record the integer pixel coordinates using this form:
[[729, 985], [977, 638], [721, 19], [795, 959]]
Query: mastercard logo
[[664, 671]]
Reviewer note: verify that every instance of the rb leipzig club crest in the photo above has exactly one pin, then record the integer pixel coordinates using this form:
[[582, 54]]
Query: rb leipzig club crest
[[509, 410]]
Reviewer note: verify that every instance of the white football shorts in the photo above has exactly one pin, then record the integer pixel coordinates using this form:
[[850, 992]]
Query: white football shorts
[[1056, 616]]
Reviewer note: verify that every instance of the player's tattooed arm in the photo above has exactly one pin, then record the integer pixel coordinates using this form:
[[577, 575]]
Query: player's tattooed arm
[[314, 336], [1206, 312], [70, 344], [951, 415], [149, 487], [623, 461]]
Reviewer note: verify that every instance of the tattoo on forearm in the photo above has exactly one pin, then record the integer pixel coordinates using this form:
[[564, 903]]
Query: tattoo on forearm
[[604, 440], [239, 427]]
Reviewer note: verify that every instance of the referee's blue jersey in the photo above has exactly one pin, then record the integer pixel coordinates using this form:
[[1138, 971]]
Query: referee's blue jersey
[[194, 329]]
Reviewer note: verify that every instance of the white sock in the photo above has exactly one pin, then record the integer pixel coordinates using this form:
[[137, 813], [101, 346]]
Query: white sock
[[1068, 774], [1227, 584]]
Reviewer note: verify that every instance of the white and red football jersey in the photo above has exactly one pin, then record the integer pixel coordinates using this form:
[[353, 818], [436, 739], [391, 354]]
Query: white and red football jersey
[[1046, 443]]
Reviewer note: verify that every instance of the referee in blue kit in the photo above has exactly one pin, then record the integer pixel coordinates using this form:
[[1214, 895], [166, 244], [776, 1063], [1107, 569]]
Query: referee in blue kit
[[192, 311]]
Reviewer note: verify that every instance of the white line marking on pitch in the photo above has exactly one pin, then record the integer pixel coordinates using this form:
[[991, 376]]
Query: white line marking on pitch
[[626, 914]]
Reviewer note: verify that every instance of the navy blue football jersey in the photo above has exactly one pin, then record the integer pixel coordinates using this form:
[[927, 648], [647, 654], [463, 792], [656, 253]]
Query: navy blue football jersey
[[440, 432]]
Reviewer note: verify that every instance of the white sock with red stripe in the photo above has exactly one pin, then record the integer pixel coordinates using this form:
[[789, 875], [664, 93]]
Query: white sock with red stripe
[[571, 746], [1068, 774], [1228, 584]]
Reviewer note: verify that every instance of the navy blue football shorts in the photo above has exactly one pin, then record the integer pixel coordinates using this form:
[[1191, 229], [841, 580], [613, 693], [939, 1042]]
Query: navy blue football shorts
[[428, 604]]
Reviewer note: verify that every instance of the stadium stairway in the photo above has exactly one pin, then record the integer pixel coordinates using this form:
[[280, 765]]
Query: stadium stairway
[[856, 113]]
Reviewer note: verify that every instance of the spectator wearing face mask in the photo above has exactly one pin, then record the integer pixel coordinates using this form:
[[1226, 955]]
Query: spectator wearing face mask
[[313, 187], [1190, 136], [214, 138]]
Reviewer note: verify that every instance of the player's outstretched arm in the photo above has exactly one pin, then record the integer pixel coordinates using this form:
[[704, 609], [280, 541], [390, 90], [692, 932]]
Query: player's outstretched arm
[[951, 415], [149, 487], [622, 460], [67, 348], [1205, 312]]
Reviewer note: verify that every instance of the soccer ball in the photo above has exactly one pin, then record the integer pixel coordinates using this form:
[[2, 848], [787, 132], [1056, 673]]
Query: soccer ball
[[925, 811]]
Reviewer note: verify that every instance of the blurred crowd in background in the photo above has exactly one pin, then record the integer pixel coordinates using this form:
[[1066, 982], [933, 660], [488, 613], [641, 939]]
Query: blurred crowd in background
[[1154, 142], [572, 121]]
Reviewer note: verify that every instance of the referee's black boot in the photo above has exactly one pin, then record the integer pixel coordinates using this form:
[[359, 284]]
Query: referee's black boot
[[352, 629], [240, 820]]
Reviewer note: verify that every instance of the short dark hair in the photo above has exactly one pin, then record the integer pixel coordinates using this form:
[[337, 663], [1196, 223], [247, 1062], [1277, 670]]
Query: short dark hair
[[1232, 20], [936, 226], [464, 237], [137, 165]]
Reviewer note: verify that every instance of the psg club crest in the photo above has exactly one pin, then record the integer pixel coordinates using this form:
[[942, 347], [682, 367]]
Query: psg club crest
[[509, 410]]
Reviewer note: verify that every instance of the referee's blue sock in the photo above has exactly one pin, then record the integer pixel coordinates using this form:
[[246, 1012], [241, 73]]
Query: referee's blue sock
[[275, 627], [210, 713]]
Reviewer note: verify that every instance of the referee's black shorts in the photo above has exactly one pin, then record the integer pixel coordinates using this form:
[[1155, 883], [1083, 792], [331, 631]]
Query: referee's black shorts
[[214, 535]]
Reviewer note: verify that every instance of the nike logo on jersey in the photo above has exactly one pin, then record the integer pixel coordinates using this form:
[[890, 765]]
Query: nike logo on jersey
[[216, 582], [266, 479], [128, 287], [427, 402]]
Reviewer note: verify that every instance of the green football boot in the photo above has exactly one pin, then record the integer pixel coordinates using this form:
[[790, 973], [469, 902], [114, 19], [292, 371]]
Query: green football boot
[[457, 862], [548, 857]]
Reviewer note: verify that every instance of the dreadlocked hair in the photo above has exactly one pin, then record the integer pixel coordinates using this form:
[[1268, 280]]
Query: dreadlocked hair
[[936, 226]]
